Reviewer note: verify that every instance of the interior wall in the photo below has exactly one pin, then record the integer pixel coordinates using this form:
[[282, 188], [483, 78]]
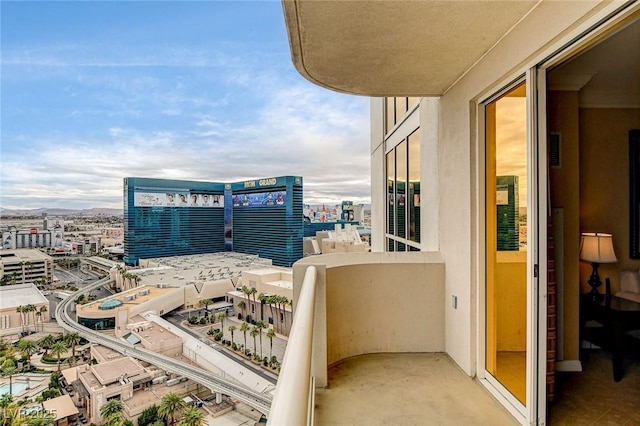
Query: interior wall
[[564, 119], [604, 184]]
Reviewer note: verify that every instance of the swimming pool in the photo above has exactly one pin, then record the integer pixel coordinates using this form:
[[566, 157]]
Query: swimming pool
[[16, 389]]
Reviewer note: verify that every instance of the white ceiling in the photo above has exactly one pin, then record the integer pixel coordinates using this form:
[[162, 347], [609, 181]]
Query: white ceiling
[[607, 74], [378, 48]]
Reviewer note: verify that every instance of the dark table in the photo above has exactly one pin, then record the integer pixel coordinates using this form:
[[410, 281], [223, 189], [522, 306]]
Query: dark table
[[618, 316]]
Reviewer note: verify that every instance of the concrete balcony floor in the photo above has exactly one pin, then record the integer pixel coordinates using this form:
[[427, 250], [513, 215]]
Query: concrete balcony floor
[[405, 389]]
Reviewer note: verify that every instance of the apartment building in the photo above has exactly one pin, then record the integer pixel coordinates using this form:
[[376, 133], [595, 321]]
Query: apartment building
[[500, 133]]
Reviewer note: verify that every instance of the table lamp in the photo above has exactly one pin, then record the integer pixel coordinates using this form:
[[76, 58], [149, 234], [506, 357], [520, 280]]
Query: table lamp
[[596, 248]]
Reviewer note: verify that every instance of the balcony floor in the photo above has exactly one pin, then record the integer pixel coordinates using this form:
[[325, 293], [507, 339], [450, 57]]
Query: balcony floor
[[405, 389]]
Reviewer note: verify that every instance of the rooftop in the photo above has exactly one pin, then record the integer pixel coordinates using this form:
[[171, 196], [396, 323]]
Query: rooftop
[[181, 270], [22, 255], [12, 296], [109, 372], [121, 297], [61, 407]]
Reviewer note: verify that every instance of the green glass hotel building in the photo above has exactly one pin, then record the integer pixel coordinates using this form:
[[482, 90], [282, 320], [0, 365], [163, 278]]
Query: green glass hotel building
[[175, 217]]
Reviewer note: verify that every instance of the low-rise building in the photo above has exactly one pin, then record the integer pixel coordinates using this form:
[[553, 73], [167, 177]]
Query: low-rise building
[[14, 320]]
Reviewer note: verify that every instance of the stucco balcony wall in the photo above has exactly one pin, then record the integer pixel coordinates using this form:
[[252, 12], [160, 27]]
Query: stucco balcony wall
[[374, 303]]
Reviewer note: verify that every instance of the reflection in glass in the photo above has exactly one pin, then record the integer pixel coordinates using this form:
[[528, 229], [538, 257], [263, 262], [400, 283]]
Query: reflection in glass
[[506, 257], [413, 195], [401, 193], [390, 113]]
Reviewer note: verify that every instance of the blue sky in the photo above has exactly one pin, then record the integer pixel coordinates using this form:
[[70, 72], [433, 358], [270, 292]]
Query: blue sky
[[96, 91]]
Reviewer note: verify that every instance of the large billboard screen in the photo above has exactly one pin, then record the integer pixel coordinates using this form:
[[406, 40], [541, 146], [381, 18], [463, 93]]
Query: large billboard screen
[[260, 199], [177, 199]]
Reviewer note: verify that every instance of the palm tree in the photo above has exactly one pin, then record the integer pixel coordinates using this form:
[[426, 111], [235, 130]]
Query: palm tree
[[221, 316], [271, 334], [28, 348], [20, 310], [205, 304], [246, 291], [171, 406], [72, 339], [41, 418], [254, 333], [31, 309], [252, 292], [46, 343], [193, 417], [244, 328], [41, 313], [260, 325], [6, 399], [242, 305], [9, 369], [284, 311], [232, 328], [269, 300], [58, 349], [110, 409]]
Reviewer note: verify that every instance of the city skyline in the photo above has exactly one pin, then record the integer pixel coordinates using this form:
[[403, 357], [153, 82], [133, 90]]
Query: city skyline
[[93, 92]]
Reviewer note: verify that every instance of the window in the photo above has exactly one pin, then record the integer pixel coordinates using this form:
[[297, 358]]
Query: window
[[396, 109], [403, 194]]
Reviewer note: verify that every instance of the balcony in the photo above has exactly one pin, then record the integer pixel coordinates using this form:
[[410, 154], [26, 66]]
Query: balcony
[[367, 346]]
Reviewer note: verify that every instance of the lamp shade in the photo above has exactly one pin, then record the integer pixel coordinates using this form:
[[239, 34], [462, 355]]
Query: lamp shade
[[597, 248]]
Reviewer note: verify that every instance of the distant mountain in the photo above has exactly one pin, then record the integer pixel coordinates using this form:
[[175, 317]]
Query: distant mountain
[[60, 212]]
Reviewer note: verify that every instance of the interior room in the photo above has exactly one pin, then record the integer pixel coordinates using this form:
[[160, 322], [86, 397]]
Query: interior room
[[593, 105]]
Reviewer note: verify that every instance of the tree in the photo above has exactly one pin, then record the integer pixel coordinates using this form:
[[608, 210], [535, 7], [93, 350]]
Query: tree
[[242, 305], [193, 417], [271, 334], [28, 348], [111, 411], [40, 313], [232, 328], [58, 349], [9, 409], [72, 339], [244, 328], [205, 304], [260, 325], [221, 316], [284, 313], [148, 416], [246, 291], [21, 311], [9, 369], [46, 343], [269, 300], [171, 406], [31, 309], [254, 333], [55, 381], [40, 418], [252, 292]]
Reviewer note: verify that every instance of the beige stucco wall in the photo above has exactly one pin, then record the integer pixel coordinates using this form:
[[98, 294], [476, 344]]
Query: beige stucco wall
[[540, 33], [361, 305]]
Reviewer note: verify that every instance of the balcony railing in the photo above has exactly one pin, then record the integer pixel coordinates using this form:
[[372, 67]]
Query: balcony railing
[[350, 304], [293, 400]]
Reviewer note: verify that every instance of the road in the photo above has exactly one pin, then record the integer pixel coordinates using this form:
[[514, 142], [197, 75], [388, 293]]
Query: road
[[259, 401]]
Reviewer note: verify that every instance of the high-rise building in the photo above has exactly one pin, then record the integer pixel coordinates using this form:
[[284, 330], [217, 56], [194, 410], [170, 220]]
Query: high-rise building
[[547, 93], [175, 217]]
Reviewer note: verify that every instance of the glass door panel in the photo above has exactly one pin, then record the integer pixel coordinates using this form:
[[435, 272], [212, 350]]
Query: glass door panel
[[506, 241]]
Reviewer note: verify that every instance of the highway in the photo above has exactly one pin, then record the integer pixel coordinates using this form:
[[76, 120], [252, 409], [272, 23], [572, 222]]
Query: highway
[[258, 401]]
